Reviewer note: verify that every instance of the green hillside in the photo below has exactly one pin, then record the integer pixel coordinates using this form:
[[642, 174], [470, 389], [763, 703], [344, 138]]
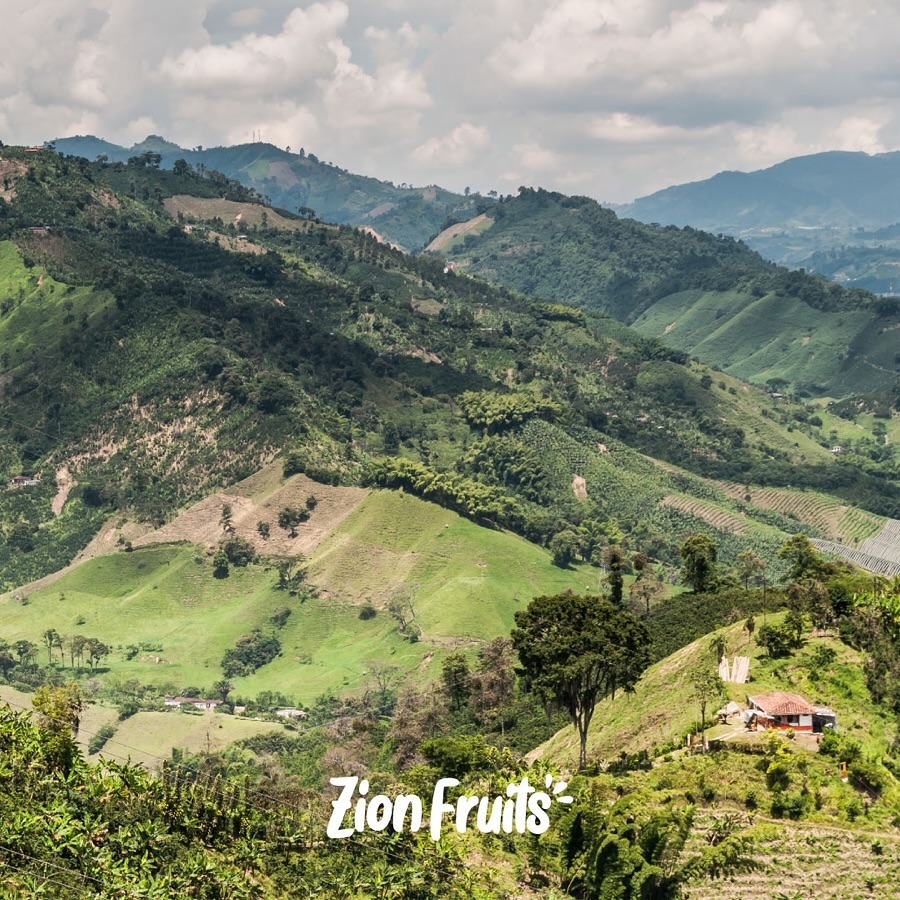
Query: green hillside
[[709, 296], [169, 620], [164, 349], [403, 215]]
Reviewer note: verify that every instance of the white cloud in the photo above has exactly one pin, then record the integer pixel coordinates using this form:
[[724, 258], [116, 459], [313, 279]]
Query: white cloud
[[609, 97], [458, 148]]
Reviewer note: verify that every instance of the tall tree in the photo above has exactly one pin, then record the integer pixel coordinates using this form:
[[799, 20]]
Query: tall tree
[[493, 682], [614, 560], [706, 687], [575, 650], [698, 556], [456, 677]]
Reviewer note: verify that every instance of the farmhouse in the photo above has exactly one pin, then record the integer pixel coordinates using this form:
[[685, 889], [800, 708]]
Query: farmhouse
[[198, 702], [24, 481], [782, 711]]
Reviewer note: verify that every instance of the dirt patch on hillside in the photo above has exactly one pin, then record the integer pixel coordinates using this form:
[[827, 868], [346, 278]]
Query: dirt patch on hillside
[[283, 174], [579, 487], [380, 210], [448, 235], [64, 484], [201, 523], [244, 214], [11, 170]]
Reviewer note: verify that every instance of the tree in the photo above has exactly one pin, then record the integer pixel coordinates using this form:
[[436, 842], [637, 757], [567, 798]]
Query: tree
[[698, 554], [220, 564], [26, 651], [614, 559], [493, 682], [225, 518], [289, 518], [59, 707], [575, 650], [96, 650], [223, 688], [750, 626], [51, 640], [802, 557], [748, 564], [262, 529], [564, 547], [456, 677], [646, 590], [706, 686]]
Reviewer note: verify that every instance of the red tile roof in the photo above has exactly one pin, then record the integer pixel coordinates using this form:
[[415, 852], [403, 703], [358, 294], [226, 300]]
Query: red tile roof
[[782, 703]]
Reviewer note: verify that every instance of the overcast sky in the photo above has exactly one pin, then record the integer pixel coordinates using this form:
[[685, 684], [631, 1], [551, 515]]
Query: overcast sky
[[610, 98]]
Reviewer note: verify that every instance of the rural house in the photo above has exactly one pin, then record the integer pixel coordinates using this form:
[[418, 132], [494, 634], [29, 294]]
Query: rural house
[[198, 702], [784, 711], [24, 481]]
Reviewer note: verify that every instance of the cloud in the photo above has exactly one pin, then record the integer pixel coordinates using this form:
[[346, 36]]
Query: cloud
[[454, 150], [610, 97]]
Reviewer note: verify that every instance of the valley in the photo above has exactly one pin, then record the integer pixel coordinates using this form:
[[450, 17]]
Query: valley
[[277, 467]]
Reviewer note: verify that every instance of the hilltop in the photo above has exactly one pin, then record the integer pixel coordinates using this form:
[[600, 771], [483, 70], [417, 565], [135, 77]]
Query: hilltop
[[711, 297], [833, 213], [403, 215]]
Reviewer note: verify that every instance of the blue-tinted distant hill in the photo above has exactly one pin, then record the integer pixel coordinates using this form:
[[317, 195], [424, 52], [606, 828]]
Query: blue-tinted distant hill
[[826, 212], [406, 216], [825, 189]]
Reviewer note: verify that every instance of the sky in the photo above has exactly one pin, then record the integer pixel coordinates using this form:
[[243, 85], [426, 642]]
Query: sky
[[609, 98]]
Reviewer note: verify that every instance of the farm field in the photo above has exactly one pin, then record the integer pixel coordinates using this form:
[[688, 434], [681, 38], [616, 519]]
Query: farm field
[[845, 524]]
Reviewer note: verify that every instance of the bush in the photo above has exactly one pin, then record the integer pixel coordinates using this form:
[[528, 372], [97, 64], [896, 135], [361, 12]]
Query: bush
[[249, 653], [368, 612], [128, 709], [98, 741], [238, 551]]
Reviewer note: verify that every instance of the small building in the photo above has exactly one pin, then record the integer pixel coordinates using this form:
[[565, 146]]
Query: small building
[[24, 481], [783, 711], [197, 702], [837, 449], [290, 713]]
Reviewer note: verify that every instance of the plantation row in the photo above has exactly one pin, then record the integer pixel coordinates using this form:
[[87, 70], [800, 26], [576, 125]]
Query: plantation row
[[718, 518], [877, 564], [886, 544], [824, 513]]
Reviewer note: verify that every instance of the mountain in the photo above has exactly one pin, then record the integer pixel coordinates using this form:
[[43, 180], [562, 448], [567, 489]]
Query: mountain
[[300, 465], [797, 212], [708, 296], [405, 216]]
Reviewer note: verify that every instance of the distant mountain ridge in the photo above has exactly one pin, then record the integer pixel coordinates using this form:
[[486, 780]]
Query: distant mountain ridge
[[405, 216], [835, 188]]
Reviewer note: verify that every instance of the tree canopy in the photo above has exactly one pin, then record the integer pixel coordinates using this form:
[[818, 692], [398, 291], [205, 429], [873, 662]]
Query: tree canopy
[[575, 650]]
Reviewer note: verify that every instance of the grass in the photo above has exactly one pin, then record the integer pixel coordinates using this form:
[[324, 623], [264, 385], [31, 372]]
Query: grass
[[147, 738], [464, 583], [772, 337]]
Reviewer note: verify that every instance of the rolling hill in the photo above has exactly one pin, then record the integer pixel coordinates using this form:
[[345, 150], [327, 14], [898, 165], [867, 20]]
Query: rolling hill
[[710, 297], [405, 216]]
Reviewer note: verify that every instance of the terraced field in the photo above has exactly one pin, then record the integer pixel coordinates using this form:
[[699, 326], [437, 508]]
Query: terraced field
[[718, 518], [810, 862], [845, 524], [877, 564]]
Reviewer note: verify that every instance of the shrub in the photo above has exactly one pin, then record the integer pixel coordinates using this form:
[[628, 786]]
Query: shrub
[[368, 612], [98, 741]]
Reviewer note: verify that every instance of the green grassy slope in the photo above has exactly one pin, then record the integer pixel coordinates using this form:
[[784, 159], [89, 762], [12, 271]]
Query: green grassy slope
[[662, 709], [464, 583], [709, 296]]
